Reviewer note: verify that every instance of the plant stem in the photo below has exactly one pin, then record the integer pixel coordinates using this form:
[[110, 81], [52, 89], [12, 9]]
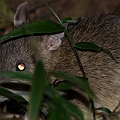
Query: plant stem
[[75, 53], [70, 42]]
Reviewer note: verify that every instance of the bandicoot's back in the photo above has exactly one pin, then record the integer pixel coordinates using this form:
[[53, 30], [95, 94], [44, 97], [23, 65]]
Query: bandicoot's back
[[103, 72]]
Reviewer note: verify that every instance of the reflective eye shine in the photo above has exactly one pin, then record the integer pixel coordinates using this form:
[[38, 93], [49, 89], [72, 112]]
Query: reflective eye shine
[[20, 66]]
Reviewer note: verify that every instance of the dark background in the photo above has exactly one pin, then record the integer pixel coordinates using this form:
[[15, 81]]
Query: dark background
[[66, 8], [63, 8]]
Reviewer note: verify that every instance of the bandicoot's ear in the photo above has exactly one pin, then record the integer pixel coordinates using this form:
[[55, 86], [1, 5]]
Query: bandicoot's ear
[[22, 15], [54, 41]]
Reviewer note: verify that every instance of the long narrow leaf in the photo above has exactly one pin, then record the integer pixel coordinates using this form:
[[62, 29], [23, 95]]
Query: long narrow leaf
[[63, 86], [106, 110], [87, 46], [27, 76], [108, 53], [10, 94], [74, 110], [37, 91], [92, 47], [56, 104], [67, 109], [41, 27], [78, 81]]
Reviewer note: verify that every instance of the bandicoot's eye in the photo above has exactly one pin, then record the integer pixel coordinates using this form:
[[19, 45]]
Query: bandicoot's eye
[[20, 66]]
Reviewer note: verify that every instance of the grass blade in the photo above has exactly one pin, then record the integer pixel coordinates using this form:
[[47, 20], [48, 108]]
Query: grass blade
[[37, 91]]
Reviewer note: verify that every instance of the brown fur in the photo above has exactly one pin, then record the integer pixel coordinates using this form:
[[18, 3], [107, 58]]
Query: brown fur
[[102, 71]]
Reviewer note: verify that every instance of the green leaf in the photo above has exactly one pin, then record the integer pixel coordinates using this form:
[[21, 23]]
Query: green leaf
[[56, 104], [80, 82], [67, 109], [41, 27], [48, 91], [63, 86], [57, 114], [9, 94], [92, 47], [106, 110], [87, 46], [74, 110], [108, 53], [21, 75], [57, 109], [37, 90]]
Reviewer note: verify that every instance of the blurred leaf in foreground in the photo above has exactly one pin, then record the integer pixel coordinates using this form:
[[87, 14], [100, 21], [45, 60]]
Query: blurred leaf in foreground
[[37, 91], [80, 82], [10, 94], [27, 76]]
